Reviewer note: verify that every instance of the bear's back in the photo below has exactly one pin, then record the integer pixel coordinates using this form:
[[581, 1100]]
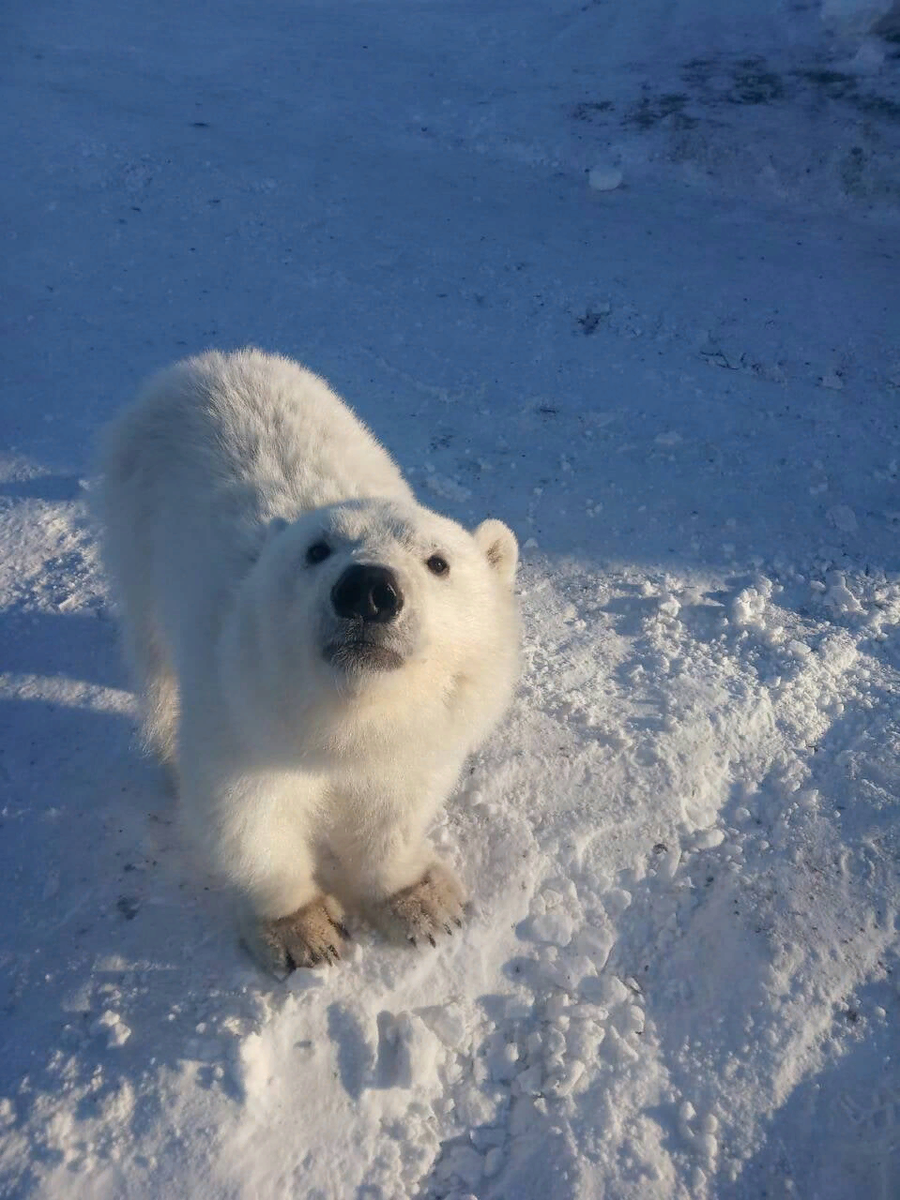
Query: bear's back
[[255, 426]]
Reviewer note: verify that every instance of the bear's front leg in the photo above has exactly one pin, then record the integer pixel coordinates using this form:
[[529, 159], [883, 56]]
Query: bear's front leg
[[255, 832], [386, 861], [304, 938]]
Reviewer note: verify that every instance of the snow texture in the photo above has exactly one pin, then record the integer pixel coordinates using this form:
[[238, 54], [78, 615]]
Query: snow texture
[[679, 981]]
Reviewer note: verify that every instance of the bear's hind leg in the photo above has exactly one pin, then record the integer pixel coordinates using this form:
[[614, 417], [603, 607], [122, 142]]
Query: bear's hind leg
[[157, 688]]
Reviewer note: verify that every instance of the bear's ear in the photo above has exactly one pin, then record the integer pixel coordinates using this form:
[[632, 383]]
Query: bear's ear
[[275, 527], [499, 546]]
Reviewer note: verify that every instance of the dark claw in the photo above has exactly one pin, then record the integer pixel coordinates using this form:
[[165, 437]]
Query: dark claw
[[314, 959], [457, 922], [291, 965], [412, 941], [342, 929], [448, 929], [431, 939], [333, 954]]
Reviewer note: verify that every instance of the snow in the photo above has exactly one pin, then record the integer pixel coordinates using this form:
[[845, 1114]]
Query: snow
[[679, 978]]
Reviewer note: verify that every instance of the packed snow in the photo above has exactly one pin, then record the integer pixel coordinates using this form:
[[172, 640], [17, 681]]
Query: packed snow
[[628, 278]]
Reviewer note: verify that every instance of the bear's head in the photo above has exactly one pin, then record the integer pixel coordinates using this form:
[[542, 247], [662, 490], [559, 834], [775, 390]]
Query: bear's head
[[379, 616]]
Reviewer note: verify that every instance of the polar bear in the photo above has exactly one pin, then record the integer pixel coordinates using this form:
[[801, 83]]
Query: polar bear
[[315, 652]]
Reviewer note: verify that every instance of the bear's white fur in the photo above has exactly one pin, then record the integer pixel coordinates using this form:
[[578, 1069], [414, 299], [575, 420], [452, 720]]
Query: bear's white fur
[[314, 730]]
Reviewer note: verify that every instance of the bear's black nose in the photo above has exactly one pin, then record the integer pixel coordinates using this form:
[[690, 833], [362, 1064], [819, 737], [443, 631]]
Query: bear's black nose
[[367, 592]]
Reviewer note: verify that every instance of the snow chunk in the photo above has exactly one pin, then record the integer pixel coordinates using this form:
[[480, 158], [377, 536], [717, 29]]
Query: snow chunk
[[843, 517], [707, 839], [839, 597], [686, 1114], [563, 1081], [633, 1020], [111, 1024], [446, 489], [604, 178], [798, 649], [448, 1023], [706, 1145], [409, 1050], [668, 862], [749, 606], [567, 972], [596, 941], [612, 991], [669, 606], [615, 1048], [504, 1063], [554, 928]]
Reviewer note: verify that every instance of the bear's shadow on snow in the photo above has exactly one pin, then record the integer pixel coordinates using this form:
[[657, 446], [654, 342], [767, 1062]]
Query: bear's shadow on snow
[[53, 488], [82, 647], [100, 915]]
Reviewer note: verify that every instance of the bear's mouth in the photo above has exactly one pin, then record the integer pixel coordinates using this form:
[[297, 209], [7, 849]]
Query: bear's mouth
[[359, 655]]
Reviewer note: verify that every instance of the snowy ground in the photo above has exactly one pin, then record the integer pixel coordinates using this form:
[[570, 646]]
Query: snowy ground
[[680, 979]]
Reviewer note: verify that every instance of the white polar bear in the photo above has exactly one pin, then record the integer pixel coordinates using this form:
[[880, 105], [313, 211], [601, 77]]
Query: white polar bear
[[316, 653]]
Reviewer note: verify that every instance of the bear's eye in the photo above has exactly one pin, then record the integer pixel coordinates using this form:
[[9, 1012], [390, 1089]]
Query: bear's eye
[[437, 565], [317, 553]]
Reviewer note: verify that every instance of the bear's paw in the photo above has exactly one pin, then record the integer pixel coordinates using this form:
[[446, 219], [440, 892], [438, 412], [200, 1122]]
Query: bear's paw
[[432, 906], [311, 935]]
